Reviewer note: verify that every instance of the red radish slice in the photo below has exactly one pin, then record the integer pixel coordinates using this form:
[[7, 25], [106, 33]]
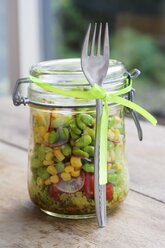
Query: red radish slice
[[114, 141], [50, 121], [72, 186]]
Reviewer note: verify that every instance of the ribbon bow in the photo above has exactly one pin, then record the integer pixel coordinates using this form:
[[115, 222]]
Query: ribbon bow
[[97, 92]]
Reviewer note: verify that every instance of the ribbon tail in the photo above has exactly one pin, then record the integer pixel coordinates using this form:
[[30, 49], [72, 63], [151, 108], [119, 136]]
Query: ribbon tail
[[134, 107], [103, 145]]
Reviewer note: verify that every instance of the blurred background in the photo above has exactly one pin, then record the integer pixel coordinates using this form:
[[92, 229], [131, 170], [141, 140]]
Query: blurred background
[[37, 30]]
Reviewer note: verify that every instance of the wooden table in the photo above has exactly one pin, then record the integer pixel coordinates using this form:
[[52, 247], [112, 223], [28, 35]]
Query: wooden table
[[139, 222]]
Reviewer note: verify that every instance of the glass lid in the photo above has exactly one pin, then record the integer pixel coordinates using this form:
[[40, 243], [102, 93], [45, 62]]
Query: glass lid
[[67, 74]]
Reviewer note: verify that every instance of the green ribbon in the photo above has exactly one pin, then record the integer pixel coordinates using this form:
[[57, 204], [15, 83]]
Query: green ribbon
[[97, 92]]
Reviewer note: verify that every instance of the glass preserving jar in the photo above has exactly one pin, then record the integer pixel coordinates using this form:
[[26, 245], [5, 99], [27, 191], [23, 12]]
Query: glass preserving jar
[[62, 141]]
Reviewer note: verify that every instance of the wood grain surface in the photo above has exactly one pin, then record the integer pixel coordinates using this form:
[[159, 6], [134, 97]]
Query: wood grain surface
[[139, 222]]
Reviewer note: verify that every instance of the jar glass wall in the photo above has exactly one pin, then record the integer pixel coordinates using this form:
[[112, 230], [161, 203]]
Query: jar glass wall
[[61, 160], [62, 141]]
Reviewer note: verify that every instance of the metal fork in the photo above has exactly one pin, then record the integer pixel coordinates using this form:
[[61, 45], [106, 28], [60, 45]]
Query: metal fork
[[95, 67]]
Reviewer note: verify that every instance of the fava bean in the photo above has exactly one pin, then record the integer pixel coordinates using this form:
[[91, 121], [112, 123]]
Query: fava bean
[[61, 120], [90, 132], [59, 167], [53, 137], [36, 163], [66, 150], [74, 136], [63, 133], [77, 151], [87, 119], [115, 178], [41, 153], [84, 120], [88, 167], [84, 141], [42, 173], [74, 128], [90, 150]]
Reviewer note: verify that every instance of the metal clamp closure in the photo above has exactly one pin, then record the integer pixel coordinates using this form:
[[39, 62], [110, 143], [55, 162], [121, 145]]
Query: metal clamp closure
[[17, 98], [131, 96]]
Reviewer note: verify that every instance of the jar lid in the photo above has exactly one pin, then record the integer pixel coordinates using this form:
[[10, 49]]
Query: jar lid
[[67, 74]]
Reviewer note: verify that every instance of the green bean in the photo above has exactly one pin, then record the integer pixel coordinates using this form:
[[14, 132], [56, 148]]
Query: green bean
[[85, 140], [90, 150], [88, 167], [53, 137], [66, 150], [77, 151]]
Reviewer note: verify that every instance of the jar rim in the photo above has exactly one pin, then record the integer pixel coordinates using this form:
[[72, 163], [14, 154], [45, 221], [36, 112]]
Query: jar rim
[[71, 67]]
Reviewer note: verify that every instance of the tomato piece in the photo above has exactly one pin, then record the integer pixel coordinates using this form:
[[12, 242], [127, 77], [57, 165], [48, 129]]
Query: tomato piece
[[89, 185], [109, 191], [54, 192]]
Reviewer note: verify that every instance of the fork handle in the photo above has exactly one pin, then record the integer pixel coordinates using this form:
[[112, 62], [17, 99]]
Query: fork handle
[[100, 190]]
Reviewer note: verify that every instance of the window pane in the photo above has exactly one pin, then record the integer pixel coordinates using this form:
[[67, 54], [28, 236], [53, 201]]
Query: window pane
[[4, 82], [137, 35]]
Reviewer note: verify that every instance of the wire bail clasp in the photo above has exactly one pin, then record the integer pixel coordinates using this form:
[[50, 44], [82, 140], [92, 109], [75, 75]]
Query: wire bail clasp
[[131, 96]]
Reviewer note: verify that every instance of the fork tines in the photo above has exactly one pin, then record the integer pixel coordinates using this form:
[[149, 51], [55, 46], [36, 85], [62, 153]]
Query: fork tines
[[100, 50]]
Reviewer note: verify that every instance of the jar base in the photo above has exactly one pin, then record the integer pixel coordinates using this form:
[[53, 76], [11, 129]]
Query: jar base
[[69, 216]]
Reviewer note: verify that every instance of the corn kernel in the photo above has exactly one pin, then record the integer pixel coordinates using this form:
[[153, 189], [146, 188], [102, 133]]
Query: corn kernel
[[116, 135], [40, 181], [75, 173], [46, 137], [48, 162], [47, 181], [54, 179], [51, 170], [58, 154], [116, 131], [38, 139], [40, 119], [69, 168], [49, 156], [76, 162], [65, 176], [111, 134], [117, 167], [42, 130]]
